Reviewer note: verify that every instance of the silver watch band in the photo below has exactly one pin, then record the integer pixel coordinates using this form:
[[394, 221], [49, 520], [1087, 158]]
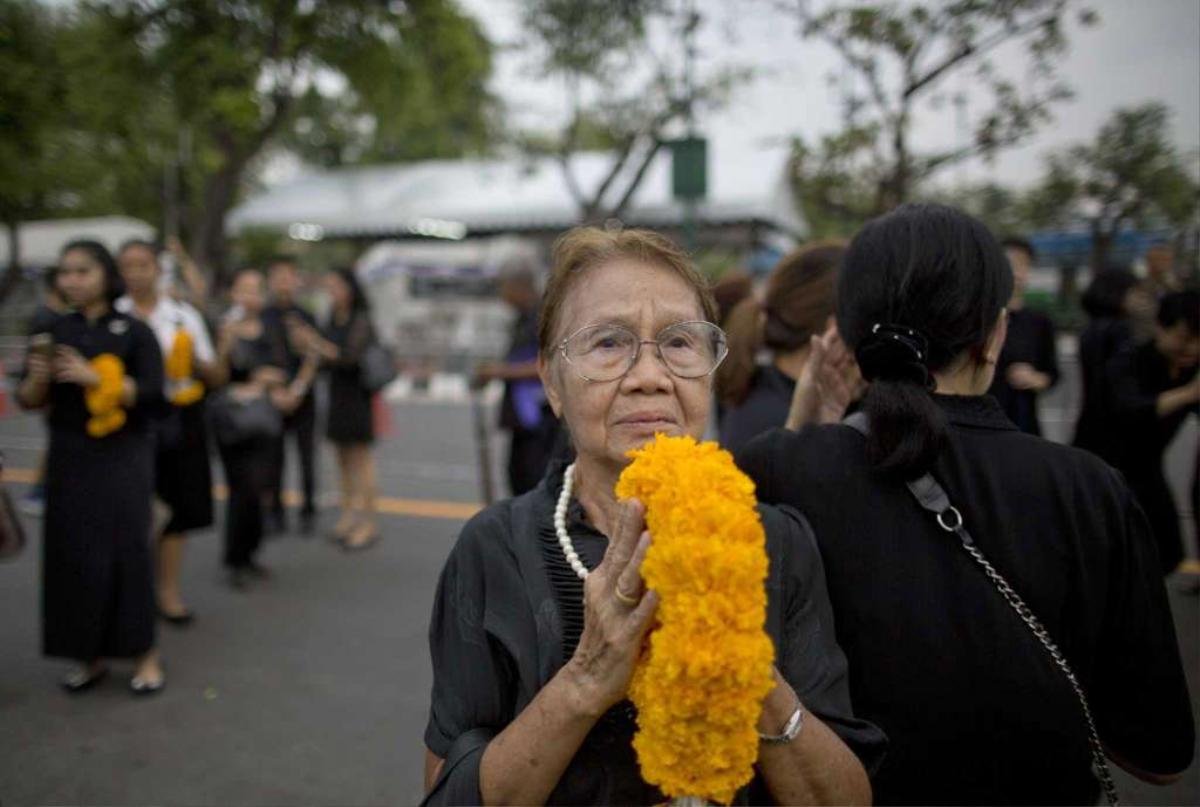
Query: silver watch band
[[791, 729]]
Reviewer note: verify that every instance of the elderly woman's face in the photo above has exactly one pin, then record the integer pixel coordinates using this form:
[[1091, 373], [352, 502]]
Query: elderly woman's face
[[608, 418]]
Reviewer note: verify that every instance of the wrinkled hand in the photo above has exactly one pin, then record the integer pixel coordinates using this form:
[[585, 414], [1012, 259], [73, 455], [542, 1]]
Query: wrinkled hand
[[70, 367], [1024, 376], [613, 631], [829, 383]]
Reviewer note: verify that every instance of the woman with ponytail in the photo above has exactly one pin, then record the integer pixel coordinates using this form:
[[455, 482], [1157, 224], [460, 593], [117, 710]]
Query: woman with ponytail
[[976, 708], [798, 306]]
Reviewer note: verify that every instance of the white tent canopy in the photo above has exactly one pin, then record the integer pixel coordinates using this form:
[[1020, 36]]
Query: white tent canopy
[[41, 241], [454, 198]]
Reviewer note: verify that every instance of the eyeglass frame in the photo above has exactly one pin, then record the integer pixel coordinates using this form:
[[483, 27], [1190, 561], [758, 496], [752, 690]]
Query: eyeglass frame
[[637, 353]]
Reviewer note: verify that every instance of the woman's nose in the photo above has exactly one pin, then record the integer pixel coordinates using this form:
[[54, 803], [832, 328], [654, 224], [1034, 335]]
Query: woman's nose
[[649, 372]]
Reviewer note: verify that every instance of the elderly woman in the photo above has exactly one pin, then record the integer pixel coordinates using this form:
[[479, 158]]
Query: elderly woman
[[531, 663]]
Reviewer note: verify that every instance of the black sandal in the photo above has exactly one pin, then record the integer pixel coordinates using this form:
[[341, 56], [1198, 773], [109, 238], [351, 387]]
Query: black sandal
[[181, 620]]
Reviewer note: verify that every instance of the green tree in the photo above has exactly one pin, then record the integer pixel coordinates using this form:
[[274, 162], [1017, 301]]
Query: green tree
[[1129, 174], [164, 109], [898, 59], [30, 96], [626, 98]]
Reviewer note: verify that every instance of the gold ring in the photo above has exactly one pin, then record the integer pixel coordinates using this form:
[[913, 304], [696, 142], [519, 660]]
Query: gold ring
[[624, 598]]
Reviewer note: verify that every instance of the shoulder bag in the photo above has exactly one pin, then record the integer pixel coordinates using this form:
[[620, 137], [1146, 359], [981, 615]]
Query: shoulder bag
[[933, 498]]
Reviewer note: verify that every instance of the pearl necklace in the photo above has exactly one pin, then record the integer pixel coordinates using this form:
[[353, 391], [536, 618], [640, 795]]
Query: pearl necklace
[[560, 524]]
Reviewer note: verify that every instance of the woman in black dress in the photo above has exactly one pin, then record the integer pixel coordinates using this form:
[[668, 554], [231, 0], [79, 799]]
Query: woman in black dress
[[102, 385], [257, 360], [182, 467], [976, 710], [798, 307], [531, 663], [350, 425]]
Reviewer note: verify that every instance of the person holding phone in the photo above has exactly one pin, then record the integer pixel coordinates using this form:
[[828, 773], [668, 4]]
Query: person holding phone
[[100, 380]]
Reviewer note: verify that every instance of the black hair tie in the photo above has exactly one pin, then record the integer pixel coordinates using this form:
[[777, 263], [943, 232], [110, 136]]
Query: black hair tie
[[894, 353]]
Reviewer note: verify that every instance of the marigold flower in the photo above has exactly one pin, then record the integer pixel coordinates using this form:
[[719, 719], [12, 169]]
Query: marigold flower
[[699, 687], [179, 357], [104, 400]]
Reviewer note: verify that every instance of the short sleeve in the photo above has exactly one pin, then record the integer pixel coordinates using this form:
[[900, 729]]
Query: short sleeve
[[201, 340], [1139, 692], [809, 657]]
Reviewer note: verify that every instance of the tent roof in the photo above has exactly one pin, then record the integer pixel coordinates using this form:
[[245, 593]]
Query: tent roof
[[41, 241], [450, 197]]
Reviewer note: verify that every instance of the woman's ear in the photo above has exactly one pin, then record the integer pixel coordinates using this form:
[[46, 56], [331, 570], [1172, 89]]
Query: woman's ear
[[550, 384], [995, 342]]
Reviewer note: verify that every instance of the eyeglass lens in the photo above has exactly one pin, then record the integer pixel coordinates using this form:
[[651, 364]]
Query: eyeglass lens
[[606, 352]]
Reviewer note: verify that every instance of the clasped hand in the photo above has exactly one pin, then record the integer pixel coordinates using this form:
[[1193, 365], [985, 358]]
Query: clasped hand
[[70, 367], [618, 612]]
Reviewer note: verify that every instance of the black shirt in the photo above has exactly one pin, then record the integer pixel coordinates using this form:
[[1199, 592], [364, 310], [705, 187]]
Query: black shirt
[[1136, 376], [974, 710], [1102, 339], [43, 320], [508, 614], [274, 319], [131, 341], [765, 407], [1030, 341]]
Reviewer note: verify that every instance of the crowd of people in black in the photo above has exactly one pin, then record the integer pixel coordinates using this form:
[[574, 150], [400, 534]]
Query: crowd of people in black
[[139, 388], [962, 611]]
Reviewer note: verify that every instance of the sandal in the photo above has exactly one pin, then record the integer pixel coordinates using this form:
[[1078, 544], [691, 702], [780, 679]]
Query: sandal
[[82, 679], [141, 686]]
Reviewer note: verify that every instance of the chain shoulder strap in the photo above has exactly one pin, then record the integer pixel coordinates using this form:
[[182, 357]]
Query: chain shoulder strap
[[933, 497]]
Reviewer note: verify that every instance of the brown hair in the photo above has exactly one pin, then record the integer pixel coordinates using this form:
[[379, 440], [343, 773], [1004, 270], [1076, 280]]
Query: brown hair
[[582, 248], [799, 301]]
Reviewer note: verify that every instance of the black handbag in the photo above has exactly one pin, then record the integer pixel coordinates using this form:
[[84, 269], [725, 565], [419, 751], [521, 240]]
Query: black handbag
[[377, 368], [238, 420]]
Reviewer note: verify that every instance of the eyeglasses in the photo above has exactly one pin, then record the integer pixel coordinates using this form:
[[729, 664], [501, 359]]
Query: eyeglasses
[[608, 352]]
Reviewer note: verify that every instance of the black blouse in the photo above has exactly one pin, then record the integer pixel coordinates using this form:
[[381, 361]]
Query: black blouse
[[508, 614], [974, 710], [128, 339], [1030, 341], [765, 407]]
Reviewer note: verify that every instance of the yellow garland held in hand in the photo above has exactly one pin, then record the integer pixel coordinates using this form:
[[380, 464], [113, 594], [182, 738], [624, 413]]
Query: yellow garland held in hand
[[700, 686], [104, 400], [185, 390]]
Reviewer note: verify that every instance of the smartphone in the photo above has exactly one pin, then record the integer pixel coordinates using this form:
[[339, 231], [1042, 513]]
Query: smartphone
[[42, 344]]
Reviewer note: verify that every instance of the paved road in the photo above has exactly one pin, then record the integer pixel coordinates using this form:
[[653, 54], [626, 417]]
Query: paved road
[[309, 689]]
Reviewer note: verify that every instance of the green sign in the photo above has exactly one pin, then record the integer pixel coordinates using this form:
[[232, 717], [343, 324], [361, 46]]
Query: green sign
[[689, 168]]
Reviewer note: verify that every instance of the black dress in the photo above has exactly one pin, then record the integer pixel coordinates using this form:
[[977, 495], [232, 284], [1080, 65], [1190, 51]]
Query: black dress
[[509, 613], [351, 419], [1030, 341], [1139, 437], [974, 710], [98, 590], [765, 407]]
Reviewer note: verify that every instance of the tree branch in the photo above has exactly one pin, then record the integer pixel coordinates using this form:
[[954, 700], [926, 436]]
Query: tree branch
[[636, 180], [971, 50]]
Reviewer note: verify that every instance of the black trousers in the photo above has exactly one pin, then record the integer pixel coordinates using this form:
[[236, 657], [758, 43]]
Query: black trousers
[[528, 455], [247, 474], [302, 426]]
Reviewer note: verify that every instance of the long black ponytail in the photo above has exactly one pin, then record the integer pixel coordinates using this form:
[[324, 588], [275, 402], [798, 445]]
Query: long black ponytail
[[920, 288]]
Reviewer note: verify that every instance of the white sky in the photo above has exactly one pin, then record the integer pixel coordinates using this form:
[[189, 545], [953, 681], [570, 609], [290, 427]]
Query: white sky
[[1140, 51]]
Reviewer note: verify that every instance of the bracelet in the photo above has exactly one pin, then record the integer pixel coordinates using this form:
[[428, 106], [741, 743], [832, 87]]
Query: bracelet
[[791, 729]]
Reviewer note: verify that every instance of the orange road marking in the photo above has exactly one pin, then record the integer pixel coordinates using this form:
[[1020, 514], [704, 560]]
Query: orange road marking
[[422, 508]]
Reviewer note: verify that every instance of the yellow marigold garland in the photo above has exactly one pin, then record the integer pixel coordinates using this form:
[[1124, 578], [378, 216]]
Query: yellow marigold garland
[[104, 400], [185, 390], [700, 686]]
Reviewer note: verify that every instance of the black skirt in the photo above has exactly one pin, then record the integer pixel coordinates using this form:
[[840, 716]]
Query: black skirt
[[183, 472], [351, 419], [97, 577]]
